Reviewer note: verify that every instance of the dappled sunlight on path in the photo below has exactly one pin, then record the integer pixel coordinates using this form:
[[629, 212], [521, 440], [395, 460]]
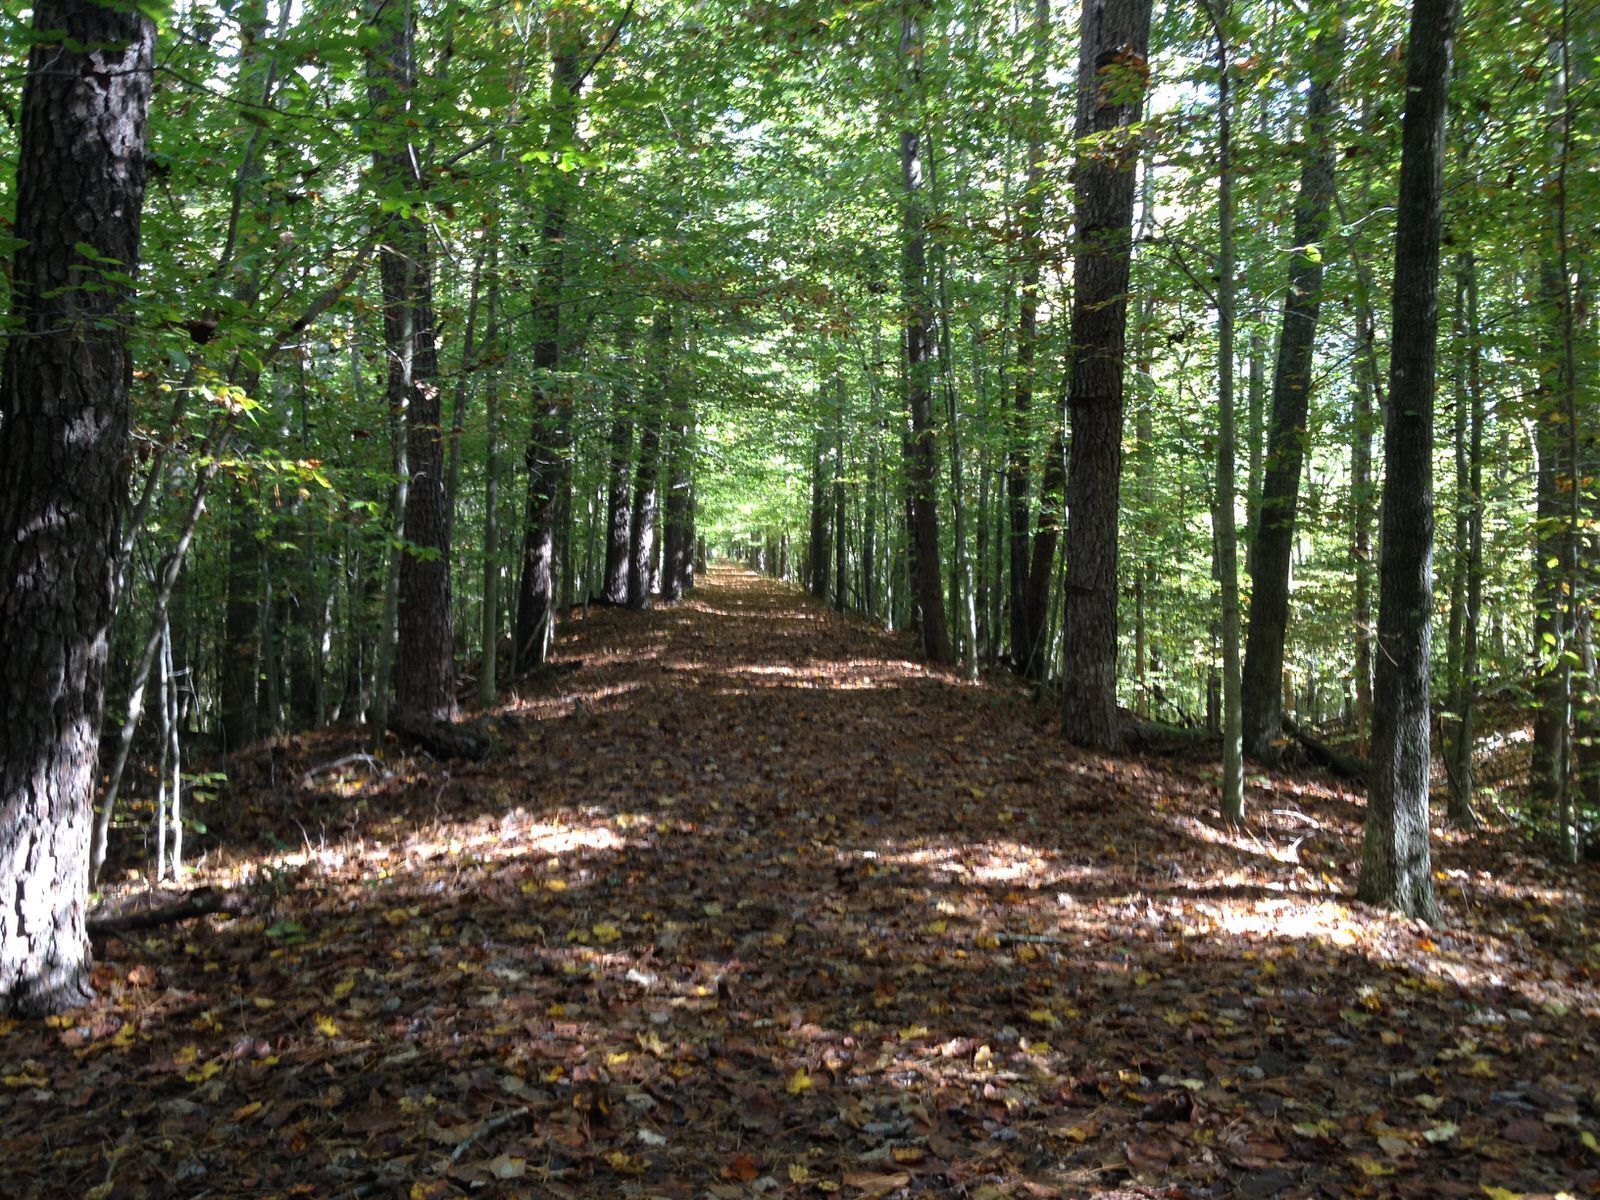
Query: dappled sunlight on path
[[753, 903]]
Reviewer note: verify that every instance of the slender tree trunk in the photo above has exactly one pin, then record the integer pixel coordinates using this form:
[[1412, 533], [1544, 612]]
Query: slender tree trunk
[[1469, 538], [1273, 544], [1227, 533], [678, 548], [841, 549], [1396, 866], [642, 523], [64, 461], [614, 588], [1025, 650], [1112, 76], [817, 545], [488, 672]]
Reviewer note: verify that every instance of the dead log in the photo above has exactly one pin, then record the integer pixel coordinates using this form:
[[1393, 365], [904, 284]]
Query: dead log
[[198, 903], [1155, 737], [1346, 766], [442, 739]]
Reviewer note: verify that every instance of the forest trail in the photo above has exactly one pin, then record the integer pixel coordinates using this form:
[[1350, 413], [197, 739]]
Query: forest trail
[[752, 903]]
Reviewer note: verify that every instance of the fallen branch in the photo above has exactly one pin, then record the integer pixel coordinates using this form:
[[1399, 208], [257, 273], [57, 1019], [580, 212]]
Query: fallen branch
[[198, 903], [1032, 939], [365, 760], [483, 1131]]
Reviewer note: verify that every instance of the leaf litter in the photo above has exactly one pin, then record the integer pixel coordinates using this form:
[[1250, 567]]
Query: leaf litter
[[754, 904]]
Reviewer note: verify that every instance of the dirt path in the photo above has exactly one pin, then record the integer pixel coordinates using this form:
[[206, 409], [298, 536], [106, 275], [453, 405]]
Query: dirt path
[[754, 904]]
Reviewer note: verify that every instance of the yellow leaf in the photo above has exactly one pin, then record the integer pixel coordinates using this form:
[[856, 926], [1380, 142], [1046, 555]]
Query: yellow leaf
[[31, 1074], [1590, 1142], [1499, 1193], [605, 933], [344, 987], [1370, 1166], [624, 1163], [799, 1082], [204, 1071], [186, 1055], [799, 1173], [1043, 1016], [326, 1025], [264, 1002], [245, 1111], [938, 926], [7, 1024], [986, 941]]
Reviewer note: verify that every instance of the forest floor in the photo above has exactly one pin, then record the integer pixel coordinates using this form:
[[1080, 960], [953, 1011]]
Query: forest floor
[[753, 904]]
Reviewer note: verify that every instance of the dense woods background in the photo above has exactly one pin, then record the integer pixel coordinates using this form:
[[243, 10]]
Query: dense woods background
[[452, 318]]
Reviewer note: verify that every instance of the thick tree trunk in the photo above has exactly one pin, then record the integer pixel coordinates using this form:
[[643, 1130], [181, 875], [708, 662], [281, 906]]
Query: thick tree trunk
[[1396, 866], [424, 664], [64, 474], [922, 451], [1113, 73], [547, 451], [1273, 544], [619, 480]]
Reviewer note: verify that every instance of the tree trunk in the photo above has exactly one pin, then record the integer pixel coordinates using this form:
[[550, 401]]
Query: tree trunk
[[1396, 868], [678, 543], [1232, 804], [1273, 545], [922, 452], [614, 588], [547, 451], [1467, 569], [642, 522], [1024, 637], [424, 664], [817, 544], [64, 464], [489, 669], [1112, 76]]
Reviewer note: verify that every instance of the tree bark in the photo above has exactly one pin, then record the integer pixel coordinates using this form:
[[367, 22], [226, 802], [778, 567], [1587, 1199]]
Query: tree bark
[[922, 452], [1232, 795], [1273, 544], [64, 465], [547, 451], [614, 588], [1024, 637], [1113, 73], [1396, 866], [642, 523], [424, 663]]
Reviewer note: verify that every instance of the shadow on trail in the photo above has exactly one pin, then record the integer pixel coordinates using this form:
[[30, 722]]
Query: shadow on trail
[[718, 922]]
